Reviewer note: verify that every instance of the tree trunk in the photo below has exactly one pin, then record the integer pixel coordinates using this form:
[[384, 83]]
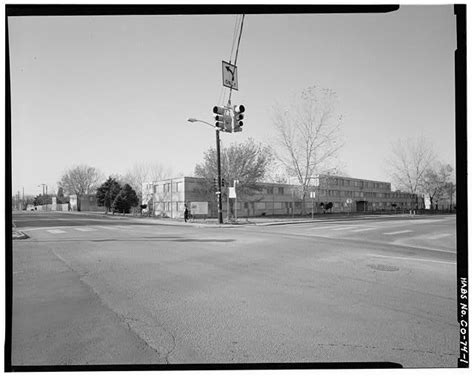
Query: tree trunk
[[303, 204]]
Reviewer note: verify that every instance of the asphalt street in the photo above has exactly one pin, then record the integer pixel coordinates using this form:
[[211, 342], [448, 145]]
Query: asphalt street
[[103, 290]]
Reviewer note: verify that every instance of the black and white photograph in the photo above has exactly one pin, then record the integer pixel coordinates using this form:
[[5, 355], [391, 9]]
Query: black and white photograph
[[236, 187]]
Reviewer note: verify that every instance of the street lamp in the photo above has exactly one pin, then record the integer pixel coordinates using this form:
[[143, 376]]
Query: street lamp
[[193, 120], [219, 187]]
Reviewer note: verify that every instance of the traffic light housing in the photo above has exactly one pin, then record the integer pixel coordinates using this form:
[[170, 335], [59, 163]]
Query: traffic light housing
[[223, 118], [222, 182], [216, 186], [219, 114], [238, 116]]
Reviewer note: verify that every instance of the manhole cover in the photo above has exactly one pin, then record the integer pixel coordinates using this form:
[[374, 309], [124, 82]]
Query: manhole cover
[[383, 267]]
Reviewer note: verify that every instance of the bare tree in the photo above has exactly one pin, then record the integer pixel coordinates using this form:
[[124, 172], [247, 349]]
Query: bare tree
[[80, 180], [246, 162], [438, 182], [276, 172], [308, 135], [142, 172], [409, 161]]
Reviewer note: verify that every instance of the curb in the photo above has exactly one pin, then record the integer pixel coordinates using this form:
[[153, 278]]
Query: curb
[[17, 235]]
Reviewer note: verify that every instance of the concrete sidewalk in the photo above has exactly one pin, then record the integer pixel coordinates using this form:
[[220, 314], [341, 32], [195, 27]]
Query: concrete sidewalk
[[252, 221], [257, 221]]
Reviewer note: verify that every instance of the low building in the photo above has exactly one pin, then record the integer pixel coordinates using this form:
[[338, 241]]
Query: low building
[[85, 203], [168, 197]]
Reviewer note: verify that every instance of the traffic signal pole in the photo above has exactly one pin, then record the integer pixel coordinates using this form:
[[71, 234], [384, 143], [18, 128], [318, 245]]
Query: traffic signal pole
[[219, 183]]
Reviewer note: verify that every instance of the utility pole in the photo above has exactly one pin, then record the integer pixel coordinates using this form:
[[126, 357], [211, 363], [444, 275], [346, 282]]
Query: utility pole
[[235, 202], [451, 197], [44, 184], [293, 203], [171, 197], [219, 187]]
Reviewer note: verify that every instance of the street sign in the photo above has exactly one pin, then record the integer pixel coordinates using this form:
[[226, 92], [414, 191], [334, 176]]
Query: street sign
[[312, 194], [232, 193], [229, 75]]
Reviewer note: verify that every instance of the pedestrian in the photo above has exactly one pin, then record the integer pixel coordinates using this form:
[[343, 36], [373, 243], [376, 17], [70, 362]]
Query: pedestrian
[[186, 213]]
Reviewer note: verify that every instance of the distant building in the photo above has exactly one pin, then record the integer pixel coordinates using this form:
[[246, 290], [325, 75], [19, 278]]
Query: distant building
[[86, 202], [167, 198]]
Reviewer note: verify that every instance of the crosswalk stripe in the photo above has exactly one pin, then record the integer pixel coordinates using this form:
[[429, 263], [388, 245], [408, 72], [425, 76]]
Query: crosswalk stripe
[[322, 227], [438, 236], [55, 231], [85, 229], [344, 228], [399, 232], [106, 227], [361, 230]]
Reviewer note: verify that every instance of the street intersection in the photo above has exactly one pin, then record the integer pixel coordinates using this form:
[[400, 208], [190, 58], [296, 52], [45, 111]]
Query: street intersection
[[369, 289]]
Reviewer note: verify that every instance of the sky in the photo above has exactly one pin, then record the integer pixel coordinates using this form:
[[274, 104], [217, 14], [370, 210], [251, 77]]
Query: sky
[[112, 91]]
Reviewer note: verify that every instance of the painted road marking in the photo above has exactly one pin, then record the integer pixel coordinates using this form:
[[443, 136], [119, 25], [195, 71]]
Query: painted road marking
[[361, 230], [56, 231], [106, 227], [438, 236], [85, 229], [399, 232], [415, 259], [324, 227], [344, 228]]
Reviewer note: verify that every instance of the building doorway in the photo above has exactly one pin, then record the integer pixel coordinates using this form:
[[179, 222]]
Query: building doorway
[[361, 206]]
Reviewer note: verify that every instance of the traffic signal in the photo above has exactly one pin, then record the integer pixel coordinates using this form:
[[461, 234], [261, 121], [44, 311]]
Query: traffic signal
[[223, 119], [216, 186], [219, 113], [222, 182], [238, 116]]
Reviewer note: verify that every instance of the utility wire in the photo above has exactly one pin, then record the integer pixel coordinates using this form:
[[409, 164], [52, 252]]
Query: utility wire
[[238, 43], [237, 53], [234, 37]]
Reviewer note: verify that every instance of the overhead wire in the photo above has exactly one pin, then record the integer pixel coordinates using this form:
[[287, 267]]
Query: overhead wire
[[238, 42], [234, 37], [237, 52]]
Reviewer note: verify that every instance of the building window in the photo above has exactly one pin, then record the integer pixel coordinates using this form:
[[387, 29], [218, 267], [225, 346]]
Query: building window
[[280, 191], [269, 190]]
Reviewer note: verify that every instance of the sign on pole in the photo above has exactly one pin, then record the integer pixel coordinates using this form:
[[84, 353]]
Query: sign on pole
[[312, 194], [229, 75], [232, 193]]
